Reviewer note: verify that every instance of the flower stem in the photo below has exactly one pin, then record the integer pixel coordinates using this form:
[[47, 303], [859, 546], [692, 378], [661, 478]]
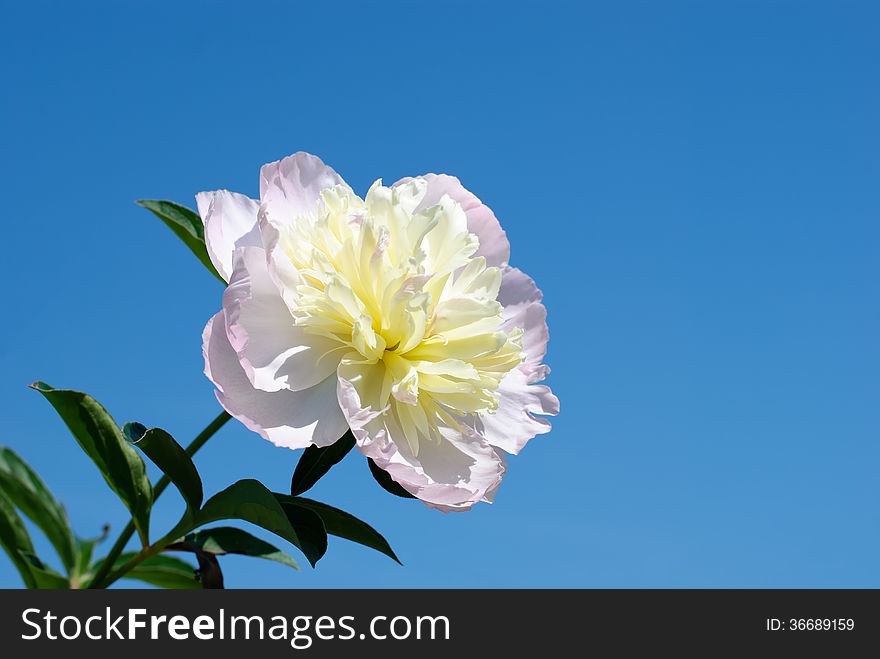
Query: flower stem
[[137, 559], [100, 580]]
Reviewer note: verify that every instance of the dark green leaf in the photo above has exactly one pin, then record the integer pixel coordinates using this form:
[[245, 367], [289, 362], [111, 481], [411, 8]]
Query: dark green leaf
[[344, 525], [249, 500], [102, 440], [388, 484], [228, 540], [310, 530], [29, 493], [186, 225], [316, 461], [85, 549], [163, 571], [44, 576], [15, 540], [170, 457]]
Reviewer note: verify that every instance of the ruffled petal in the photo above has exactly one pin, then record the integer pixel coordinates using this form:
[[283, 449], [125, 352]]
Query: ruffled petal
[[282, 271], [230, 221], [480, 218], [286, 418], [515, 422], [274, 352], [521, 299], [450, 473], [290, 187]]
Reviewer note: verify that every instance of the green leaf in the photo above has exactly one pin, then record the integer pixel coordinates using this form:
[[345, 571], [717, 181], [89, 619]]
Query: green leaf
[[344, 525], [170, 457], [85, 549], [249, 500], [15, 540], [229, 540], [388, 484], [44, 576], [29, 493], [102, 440], [162, 571], [317, 461], [186, 225], [310, 530]]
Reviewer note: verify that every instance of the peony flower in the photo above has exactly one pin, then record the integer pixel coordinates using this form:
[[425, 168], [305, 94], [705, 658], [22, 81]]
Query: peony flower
[[395, 315]]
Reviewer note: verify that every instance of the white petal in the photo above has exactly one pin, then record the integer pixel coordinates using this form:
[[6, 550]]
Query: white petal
[[521, 300], [480, 218], [290, 187], [281, 269], [514, 423], [451, 474], [230, 221], [285, 418], [274, 352]]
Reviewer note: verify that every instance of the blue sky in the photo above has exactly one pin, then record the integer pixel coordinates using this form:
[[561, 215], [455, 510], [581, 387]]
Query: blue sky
[[693, 185]]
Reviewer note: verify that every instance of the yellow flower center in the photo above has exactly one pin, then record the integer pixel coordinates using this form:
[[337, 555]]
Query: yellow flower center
[[403, 290]]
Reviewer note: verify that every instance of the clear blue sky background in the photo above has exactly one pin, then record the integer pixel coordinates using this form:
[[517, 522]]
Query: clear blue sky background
[[693, 185]]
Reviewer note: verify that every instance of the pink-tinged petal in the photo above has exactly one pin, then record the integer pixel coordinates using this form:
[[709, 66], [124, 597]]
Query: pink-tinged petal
[[494, 245], [290, 187], [274, 353], [515, 422], [450, 473], [286, 418], [230, 221], [281, 268], [521, 300]]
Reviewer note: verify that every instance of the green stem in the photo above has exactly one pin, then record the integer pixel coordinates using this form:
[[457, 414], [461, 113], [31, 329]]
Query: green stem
[[137, 559], [101, 580]]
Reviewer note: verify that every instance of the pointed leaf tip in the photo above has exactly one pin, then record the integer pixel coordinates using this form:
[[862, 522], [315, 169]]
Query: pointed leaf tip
[[186, 225], [339, 523], [388, 484], [249, 500], [103, 441], [317, 461]]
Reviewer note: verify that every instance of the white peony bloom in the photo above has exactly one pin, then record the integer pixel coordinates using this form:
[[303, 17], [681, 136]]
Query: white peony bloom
[[395, 315]]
